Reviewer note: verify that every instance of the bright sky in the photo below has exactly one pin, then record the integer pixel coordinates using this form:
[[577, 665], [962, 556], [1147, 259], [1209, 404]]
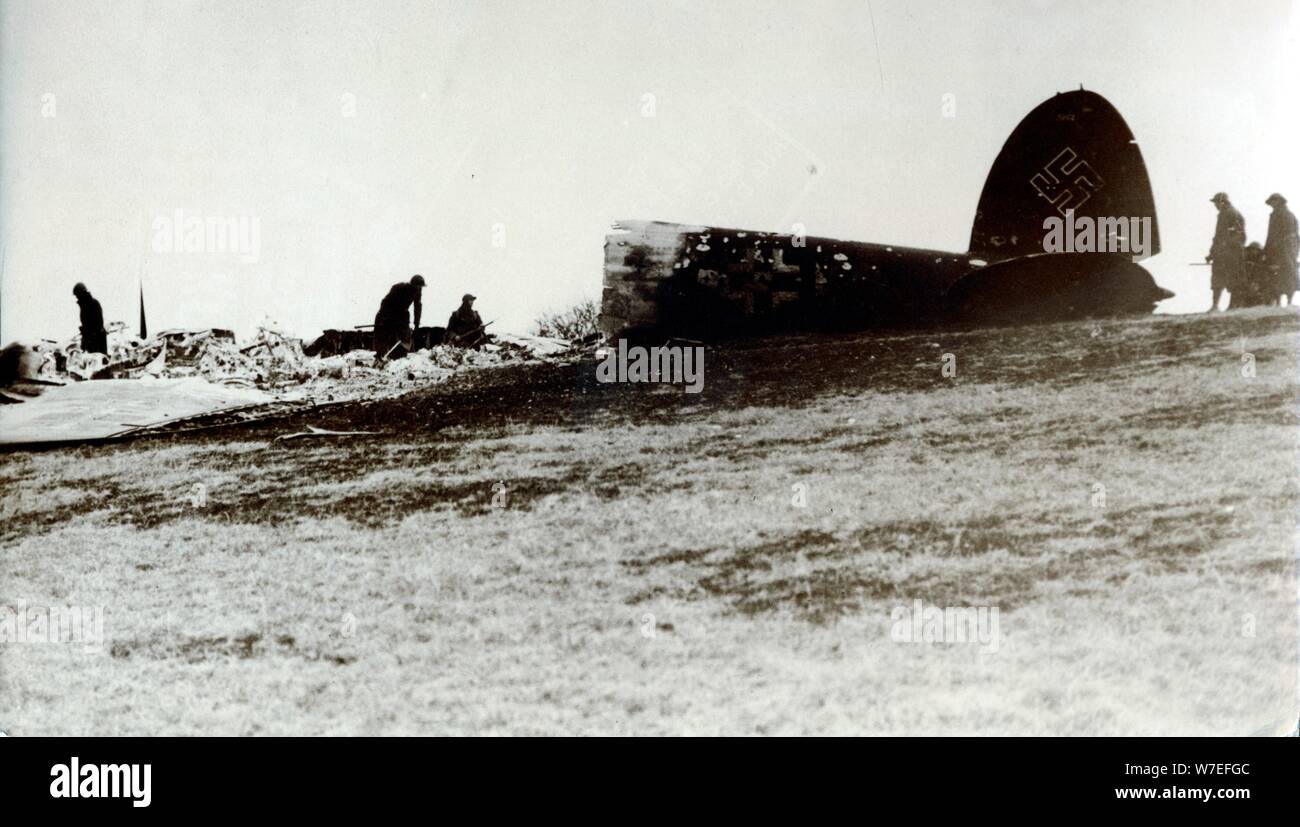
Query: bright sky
[[488, 146]]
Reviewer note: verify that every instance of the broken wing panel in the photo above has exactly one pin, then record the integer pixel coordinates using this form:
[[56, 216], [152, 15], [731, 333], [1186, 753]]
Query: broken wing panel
[[86, 411]]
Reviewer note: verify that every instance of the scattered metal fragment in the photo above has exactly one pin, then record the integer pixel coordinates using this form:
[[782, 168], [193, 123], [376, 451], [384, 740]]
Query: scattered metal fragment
[[312, 430]]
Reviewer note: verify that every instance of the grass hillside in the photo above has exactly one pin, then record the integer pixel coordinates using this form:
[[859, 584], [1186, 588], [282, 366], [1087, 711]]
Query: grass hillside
[[528, 551]]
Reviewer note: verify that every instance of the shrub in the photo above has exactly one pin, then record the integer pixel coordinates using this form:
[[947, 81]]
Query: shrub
[[577, 322]]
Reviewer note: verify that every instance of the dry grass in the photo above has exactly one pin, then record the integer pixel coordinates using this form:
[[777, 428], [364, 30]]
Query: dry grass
[[649, 573]]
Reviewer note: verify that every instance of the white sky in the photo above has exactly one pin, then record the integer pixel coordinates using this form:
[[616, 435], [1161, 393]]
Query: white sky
[[532, 115]]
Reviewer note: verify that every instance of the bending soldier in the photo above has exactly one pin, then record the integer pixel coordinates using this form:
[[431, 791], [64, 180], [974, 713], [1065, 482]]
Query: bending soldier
[[392, 324], [1255, 285]]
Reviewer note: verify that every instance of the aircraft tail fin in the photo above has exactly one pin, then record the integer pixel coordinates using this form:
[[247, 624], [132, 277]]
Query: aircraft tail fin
[[1072, 152]]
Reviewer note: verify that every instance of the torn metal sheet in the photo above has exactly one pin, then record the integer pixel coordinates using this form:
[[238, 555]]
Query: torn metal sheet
[[312, 430], [537, 346], [87, 411], [223, 417]]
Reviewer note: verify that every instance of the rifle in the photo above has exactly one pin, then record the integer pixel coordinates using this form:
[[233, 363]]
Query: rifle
[[457, 338]]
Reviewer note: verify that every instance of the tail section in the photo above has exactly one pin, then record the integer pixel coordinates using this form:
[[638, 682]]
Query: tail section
[[1053, 287], [1072, 152]]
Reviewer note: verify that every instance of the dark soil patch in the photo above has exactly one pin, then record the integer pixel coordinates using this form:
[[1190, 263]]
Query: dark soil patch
[[814, 573], [205, 649]]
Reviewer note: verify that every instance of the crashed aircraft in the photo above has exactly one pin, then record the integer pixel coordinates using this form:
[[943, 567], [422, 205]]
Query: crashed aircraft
[[1071, 158]]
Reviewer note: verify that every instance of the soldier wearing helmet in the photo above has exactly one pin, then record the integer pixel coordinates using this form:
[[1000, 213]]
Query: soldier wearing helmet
[[1227, 250], [1281, 247], [392, 324], [94, 339]]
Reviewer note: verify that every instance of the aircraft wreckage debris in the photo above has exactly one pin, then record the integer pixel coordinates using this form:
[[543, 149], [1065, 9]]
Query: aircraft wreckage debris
[[186, 380], [312, 430], [1072, 154]]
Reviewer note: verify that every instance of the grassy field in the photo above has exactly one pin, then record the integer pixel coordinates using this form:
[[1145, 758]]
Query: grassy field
[[526, 551]]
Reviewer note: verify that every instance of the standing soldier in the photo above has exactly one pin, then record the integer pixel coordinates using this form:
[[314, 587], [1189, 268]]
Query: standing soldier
[[94, 339], [1281, 247], [1227, 249], [392, 324]]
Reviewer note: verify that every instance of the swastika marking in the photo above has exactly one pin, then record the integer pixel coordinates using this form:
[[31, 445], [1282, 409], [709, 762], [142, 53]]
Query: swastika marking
[[1067, 181]]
